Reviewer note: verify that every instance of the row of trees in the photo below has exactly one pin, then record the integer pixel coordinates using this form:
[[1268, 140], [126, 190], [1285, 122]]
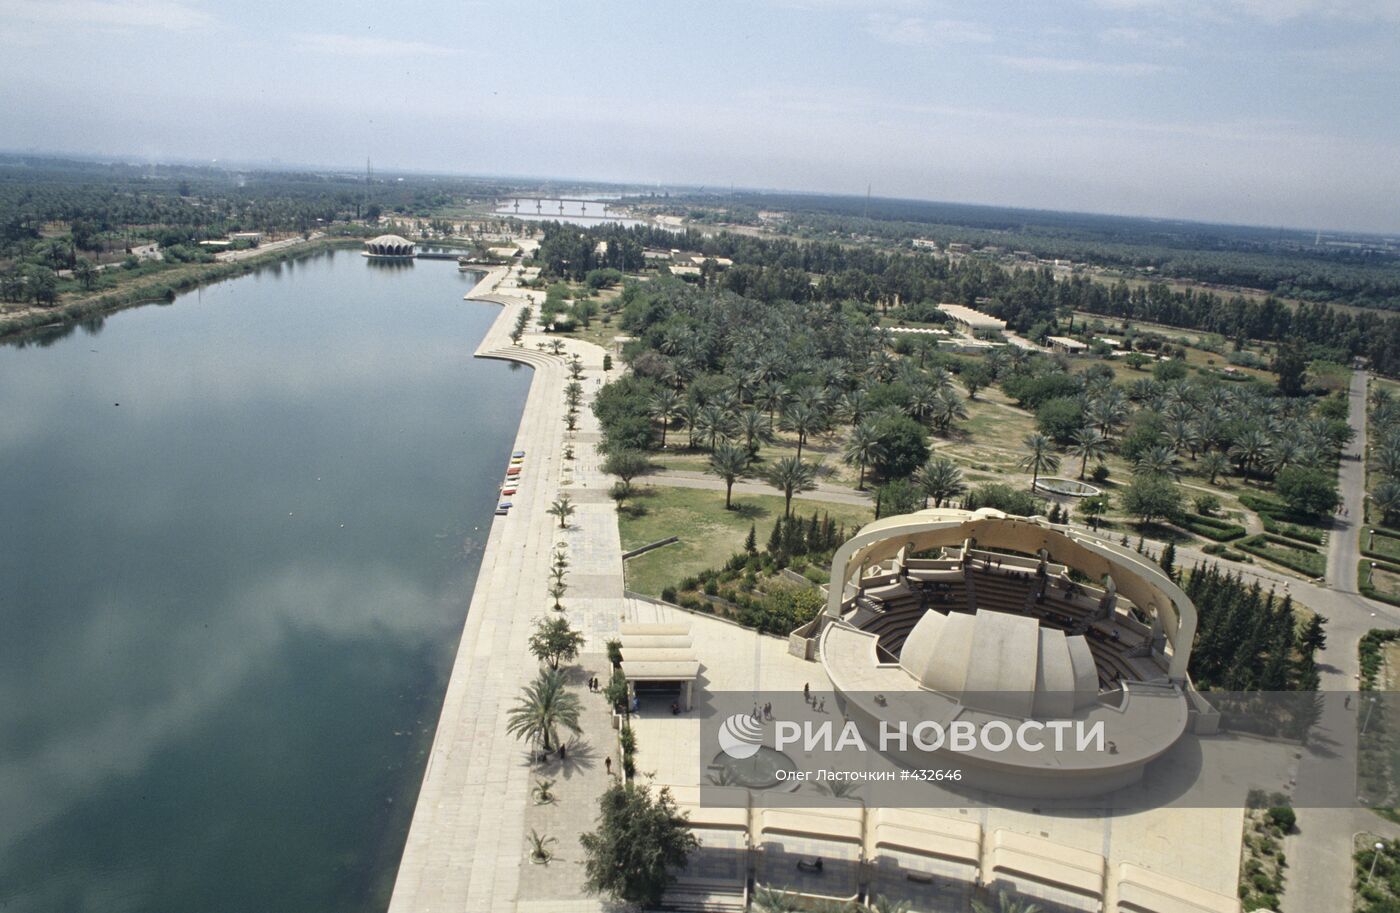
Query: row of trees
[[1248, 639], [1162, 427], [1385, 455]]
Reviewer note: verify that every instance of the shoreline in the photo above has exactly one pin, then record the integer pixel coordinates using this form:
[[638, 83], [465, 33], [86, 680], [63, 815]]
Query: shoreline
[[466, 845], [34, 321]]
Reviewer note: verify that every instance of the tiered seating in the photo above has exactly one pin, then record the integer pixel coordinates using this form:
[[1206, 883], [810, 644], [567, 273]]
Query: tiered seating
[[894, 624], [999, 592]]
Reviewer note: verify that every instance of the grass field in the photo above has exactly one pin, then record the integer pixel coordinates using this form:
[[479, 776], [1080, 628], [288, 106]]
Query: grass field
[[709, 534], [1374, 541], [1292, 555]]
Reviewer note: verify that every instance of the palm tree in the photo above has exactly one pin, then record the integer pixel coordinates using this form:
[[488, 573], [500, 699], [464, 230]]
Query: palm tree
[[853, 406], [1040, 456], [715, 424], [1387, 459], [790, 475], [545, 706], [665, 407], [1386, 498], [771, 396], [949, 408], [768, 900], [1088, 444], [939, 479], [729, 463], [1212, 464], [1005, 903], [1159, 460], [1184, 437], [754, 429], [1249, 449], [563, 508], [864, 447], [802, 419], [1108, 412], [689, 414], [539, 846], [922, 402], [1285, 451]]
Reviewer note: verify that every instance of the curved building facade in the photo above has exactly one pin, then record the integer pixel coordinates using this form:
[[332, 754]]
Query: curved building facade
[[987, 618], [389, 247]]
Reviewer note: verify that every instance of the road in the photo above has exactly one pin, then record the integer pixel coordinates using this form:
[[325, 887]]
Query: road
[[1344, 547], [836, 494]]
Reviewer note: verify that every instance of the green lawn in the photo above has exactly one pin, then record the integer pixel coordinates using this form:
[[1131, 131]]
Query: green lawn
[[1387, 583], [709, 534], [1292, 555], [1381, 544]]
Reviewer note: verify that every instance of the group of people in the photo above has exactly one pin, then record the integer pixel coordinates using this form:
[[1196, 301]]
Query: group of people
[[594, 685]]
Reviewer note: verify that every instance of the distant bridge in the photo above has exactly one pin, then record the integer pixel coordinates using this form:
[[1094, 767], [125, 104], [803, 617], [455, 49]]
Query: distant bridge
[[602, 205]]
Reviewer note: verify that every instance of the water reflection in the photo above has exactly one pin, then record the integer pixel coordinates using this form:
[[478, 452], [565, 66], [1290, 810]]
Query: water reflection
[[242, 535], [586, 209]]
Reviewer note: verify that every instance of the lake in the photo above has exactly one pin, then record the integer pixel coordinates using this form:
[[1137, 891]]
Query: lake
[[240, 537]]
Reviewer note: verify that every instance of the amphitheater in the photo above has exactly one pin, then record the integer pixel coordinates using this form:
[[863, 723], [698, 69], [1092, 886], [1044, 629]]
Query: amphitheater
[[982, 617], [993, 616]]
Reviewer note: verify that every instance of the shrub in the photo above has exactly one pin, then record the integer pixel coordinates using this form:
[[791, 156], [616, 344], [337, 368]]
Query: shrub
[[668, 594], [1283, 818]]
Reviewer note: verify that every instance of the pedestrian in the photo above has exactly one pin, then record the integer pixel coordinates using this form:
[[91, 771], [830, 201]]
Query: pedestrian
[[607, 766], [822, 708], [807, 692]]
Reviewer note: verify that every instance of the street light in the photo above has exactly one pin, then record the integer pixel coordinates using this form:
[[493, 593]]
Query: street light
[[1374, 860], [1366, 722]]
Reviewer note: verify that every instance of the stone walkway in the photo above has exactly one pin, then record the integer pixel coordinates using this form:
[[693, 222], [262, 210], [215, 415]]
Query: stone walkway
[[467, 844]]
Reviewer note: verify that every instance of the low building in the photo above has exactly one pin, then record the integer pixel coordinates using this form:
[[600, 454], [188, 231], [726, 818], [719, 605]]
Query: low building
[[971, 320], [389, 247], [1067, 345]]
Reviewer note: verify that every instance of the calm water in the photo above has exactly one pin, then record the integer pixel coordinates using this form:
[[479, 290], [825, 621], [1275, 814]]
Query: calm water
[[595, 212], [229, 605]]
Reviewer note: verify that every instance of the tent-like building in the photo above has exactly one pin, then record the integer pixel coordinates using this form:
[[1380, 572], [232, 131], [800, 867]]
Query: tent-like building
[[389, 247]]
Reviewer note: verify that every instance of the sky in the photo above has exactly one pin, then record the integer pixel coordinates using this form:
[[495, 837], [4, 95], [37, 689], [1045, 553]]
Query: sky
[[1269, 112]]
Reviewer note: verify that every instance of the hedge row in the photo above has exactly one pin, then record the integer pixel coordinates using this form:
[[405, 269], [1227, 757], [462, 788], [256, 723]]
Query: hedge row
[[1210, 527], [1285, 552], [1366, 587], [1368, 651], [1273, 524]]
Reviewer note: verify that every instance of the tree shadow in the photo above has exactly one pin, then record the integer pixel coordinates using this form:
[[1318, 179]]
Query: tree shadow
[[749, 511]]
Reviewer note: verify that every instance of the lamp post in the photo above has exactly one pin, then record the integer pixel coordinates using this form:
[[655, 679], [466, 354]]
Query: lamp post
[[1366, 722], [1374, 860]]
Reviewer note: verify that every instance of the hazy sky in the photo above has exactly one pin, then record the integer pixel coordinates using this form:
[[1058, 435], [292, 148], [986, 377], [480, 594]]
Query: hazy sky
[[1257, 111]]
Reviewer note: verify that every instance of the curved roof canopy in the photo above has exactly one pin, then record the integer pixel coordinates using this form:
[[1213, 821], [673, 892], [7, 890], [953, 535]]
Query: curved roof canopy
[[1001, 663], [389, 246]]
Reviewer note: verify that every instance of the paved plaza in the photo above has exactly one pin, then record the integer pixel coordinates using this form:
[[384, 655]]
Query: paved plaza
[[466, 849]]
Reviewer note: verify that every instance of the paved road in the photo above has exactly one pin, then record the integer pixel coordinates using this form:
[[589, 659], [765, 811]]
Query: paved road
[[836, 494], [1344, 549], [466, 846], [1324, 836]]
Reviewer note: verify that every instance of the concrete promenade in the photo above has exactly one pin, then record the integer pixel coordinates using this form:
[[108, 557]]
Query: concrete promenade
[[466, 846]]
